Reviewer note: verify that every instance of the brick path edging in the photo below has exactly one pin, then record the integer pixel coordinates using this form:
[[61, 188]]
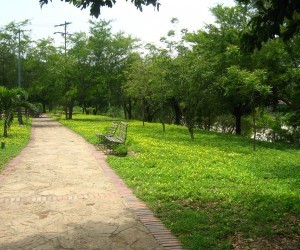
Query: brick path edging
[[143, 213], [139, 208]]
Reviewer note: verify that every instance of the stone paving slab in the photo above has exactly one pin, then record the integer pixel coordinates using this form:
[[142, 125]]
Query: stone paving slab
[[59, 193]]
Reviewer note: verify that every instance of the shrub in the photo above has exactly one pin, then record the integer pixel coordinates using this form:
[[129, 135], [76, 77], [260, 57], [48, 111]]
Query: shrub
[[121, 150], [90, 111], [115, 112]]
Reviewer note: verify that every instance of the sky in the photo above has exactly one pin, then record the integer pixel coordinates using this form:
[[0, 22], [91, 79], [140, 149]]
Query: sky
[[149, 25]]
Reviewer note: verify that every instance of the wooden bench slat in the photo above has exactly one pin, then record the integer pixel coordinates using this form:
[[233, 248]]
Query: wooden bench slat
[[113, 128], [118, 138]]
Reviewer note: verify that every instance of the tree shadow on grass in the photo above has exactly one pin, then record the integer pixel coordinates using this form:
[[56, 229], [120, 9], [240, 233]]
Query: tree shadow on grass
[[259, 219]]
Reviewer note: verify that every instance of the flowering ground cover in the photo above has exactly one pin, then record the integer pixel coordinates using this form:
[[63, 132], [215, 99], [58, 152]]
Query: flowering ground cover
[[214, 192], [18, 138]]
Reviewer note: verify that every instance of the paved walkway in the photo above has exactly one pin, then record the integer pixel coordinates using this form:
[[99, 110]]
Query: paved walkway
[[59, 193]]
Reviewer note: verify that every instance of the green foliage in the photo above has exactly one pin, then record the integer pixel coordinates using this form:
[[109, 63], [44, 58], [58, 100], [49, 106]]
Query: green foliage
[[44, 73], [95, 5], [213, 192], [146, 84], [114, 112], [194, 79], [8, 47], [96, 66], [121, 150], [271, 18], [90, 110], [10, 100]]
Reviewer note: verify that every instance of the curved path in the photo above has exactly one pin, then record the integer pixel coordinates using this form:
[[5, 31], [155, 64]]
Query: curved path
[[59, 193]]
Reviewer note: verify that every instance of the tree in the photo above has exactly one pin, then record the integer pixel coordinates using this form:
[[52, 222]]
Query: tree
[[10, 100], [8, 51], [219, 47], [80, 71], [246, 90], [119, 54], [146, 84], [139, 85], [95, 5], [275, 60], [162, 91], [186, 87], [42, 73], [272, 18], [110, 56]]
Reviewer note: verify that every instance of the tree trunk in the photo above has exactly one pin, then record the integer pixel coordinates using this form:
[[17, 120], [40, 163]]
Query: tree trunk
[[238, 120], [125, 111], [207, 122], [177, 111], [95, 110], [190, 124], [163, 124], [84, 110], [254, 128], [143, 113], [66, 111], [20, 119], [71, 106], [5, 129], [129, 110], [149, 115], [191, 131], [44, 107]]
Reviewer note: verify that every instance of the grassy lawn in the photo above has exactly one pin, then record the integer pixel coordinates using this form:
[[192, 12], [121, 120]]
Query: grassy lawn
[[214, 192], [18, 138]]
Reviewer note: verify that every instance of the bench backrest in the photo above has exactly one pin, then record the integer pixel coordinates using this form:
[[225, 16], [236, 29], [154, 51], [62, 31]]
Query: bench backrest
[[113, 128], [121, 133]]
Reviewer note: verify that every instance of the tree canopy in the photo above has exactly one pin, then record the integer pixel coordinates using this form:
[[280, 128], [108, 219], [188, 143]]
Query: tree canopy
[[271, 18], [200, 79], [95, 5]]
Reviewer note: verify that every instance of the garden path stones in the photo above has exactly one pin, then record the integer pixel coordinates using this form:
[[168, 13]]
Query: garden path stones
[[60, 194]]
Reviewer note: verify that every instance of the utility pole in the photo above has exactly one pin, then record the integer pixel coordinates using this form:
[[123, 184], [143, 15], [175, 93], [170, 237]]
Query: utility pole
[[64, 34], [19, 60], [19, 75]]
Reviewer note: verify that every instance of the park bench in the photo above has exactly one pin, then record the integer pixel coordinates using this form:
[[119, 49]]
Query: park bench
[[118, 138], [110, 132]]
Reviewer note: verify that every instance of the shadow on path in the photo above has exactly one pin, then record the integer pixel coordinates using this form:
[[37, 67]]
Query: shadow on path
[[59, 193]]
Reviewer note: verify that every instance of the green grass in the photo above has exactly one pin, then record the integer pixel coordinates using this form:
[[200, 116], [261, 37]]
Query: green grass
[[214, 192], [18, 138]]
